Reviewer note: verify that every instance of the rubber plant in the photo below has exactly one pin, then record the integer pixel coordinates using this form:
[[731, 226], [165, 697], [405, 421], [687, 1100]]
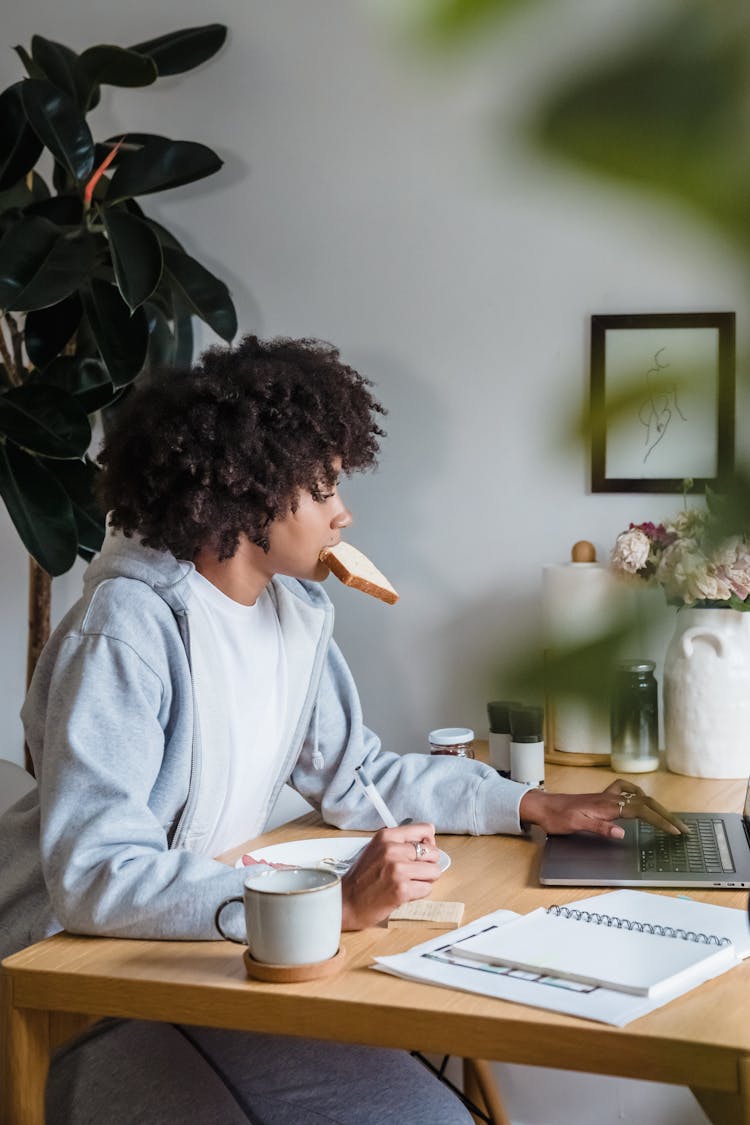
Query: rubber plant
[[92, 291]]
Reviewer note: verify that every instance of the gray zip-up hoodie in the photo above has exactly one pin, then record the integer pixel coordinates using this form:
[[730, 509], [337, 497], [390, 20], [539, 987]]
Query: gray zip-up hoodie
[[107, 842]]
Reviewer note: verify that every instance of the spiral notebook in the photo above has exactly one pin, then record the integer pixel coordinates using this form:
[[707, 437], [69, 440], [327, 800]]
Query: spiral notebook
[[629, 951]]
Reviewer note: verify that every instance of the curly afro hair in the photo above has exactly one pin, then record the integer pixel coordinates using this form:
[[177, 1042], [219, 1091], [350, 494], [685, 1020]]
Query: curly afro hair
[[196, 458]]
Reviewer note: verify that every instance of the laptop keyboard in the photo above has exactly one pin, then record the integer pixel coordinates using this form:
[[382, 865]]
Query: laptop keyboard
[[706, 849]]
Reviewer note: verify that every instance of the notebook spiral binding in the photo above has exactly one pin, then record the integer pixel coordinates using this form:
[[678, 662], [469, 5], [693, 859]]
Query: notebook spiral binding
[[616, 923]]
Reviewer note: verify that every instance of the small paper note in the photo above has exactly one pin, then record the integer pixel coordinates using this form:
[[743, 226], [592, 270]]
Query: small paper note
[[430, 915]]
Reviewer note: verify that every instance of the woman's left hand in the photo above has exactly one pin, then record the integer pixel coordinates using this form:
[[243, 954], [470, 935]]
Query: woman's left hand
[[561, 813]]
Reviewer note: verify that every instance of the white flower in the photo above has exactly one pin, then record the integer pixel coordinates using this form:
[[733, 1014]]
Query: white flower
[[713, 587], [688, 524], [728, 551], [686, 573], [631, 551]]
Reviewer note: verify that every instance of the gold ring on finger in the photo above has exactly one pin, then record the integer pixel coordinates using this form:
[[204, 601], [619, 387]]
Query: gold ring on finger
[[625, 799]]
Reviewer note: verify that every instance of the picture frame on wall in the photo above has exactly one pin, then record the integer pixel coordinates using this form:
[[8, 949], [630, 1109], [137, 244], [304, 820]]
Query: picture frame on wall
[[662, 401]]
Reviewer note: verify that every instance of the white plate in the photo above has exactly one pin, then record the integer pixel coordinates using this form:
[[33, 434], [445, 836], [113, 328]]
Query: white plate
[[313, 853]]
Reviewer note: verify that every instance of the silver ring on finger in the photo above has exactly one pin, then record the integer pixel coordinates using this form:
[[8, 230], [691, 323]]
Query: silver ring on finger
[[420, 851]]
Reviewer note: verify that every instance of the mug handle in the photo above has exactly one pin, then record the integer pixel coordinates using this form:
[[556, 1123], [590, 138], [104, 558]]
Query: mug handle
[[217, 919]]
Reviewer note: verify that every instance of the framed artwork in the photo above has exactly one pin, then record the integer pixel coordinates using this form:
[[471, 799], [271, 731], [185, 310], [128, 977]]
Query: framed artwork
[[662, 401]]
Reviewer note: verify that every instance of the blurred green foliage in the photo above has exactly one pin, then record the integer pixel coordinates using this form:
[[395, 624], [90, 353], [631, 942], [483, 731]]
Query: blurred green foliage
[[663, 111]]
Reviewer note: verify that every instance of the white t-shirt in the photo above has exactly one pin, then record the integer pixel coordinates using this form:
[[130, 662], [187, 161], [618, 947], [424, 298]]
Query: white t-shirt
[[239, 673]]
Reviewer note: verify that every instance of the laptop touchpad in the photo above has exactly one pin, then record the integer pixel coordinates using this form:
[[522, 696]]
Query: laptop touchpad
[[586, 855]]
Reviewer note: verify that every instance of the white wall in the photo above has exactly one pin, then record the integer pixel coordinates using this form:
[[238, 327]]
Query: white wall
[[381, 200]]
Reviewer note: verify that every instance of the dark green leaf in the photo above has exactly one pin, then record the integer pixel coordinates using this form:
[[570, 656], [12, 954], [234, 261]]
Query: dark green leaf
[[67, 265], [78, 479], [9, 219], [23, 196], [159, 165], [45, 420], [65, 210], [60, 125], [20, 148], [62, 181], [179, 51], [61, 66], [23, 250], [82, 376], [40, 509], [32, 69], [47, 331], [203, 293], [122, 339], [136, 255], [86, 345], [117, 66]]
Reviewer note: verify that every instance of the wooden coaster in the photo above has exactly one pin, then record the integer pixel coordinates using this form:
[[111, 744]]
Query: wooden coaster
[[561, 758], [293, 974]]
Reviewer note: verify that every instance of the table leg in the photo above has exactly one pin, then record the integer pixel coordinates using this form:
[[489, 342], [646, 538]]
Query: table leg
[[471, 1086], [24, 1060], [728, 1109], [480, 1087]]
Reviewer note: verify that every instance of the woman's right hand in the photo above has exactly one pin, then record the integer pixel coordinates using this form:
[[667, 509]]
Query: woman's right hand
[[398, 865]]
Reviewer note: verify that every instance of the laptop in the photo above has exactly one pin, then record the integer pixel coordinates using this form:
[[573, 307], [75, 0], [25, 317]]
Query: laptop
[[716, 854]]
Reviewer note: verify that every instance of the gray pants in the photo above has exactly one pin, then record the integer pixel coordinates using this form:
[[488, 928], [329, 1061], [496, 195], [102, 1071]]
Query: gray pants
[[129, 1072]]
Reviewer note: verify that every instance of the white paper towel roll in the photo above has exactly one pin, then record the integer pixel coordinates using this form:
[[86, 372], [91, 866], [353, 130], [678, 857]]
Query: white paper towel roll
[[578, 602], [577, 730]]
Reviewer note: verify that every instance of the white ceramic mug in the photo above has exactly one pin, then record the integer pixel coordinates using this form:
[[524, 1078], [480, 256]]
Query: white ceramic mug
[[292, 917]]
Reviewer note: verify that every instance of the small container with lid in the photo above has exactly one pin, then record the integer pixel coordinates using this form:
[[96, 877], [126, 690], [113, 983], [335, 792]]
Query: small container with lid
[[456, 741], [498, 713], [634, 717], [527, 745]]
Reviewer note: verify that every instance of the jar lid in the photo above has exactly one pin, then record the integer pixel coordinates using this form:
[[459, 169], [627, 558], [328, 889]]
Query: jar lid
[[636, 665], [450, 736]]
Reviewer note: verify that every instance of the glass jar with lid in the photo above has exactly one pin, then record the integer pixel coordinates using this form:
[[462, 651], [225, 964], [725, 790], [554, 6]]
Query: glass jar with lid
[[457, 741], [634, 717]]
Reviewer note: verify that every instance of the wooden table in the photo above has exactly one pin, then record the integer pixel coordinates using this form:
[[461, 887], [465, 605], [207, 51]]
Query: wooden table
[[701, 1040]]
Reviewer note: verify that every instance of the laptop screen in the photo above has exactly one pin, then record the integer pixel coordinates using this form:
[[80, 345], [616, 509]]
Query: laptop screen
[[746, 809]]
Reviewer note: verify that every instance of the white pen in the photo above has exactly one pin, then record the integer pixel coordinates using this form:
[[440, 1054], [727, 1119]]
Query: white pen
[[377, 802]]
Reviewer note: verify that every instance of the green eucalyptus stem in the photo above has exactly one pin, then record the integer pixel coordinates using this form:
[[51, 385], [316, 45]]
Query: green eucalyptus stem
[[687, 484]]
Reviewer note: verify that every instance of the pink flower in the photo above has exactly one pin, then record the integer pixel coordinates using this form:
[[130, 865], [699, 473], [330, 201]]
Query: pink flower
[[656, 532]]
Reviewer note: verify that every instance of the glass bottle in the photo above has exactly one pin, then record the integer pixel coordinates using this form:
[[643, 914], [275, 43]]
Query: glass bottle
[[634, 718]]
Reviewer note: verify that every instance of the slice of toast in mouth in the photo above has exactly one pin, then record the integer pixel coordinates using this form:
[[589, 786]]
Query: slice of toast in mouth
[[355, 569]]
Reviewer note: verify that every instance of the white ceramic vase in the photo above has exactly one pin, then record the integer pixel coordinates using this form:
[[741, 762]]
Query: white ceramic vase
[[707, 694]]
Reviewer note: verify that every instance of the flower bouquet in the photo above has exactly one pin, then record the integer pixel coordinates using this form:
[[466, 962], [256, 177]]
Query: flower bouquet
[[685, 557]]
